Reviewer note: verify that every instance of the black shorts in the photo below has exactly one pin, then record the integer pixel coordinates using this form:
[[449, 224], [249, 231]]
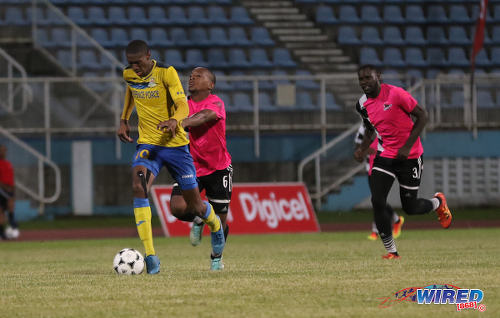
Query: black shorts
[[407, 171], [4, 198], [218, 188]]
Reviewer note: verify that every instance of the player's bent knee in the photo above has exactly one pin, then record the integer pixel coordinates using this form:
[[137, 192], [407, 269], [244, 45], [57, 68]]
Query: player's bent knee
[[183, 215]]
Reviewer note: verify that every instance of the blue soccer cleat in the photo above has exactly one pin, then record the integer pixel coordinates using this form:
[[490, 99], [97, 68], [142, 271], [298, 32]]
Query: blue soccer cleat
[[196, 233], [217, 264], [218, 241], [152, 264]]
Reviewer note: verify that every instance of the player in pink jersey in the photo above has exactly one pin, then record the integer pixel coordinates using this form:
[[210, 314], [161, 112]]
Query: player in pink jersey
[[207, 138], [386, 110], [369, 155]]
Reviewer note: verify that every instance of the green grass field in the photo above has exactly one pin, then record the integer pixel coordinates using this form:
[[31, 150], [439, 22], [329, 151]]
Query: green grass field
[[295, 275]]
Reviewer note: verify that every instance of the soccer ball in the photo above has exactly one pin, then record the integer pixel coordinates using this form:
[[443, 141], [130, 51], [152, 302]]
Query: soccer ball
[[11, 233], [128, 262]]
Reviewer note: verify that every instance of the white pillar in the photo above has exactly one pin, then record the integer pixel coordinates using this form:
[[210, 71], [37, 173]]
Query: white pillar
[[81, 177]]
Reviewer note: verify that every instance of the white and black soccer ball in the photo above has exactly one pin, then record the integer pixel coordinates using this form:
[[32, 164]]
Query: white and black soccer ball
[[11, 233], [128, 262]]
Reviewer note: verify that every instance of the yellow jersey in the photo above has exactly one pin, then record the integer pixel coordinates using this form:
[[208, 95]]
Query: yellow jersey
[[157, 97]]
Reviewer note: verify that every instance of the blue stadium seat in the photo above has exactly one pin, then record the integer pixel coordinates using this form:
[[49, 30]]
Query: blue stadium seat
[[348, 14], [348, 36], [101, 36], [414, 57], [369, 14], [436, 14], [495, 37], [179, 37], [216, 58], [174, 57], [306, 83], [160, 38], [139, 34], [239, 15], [42, 38], [370, 36], [53, 18], [260, 36], [222, 85], [414, 73], [495, 56], [392, 36], [119, 37], [176, 15], [259, 58], [218, 37], [435, 57], [392, 57], [325, 15], [241, 85], [216, 15], [117, 16], [14, 16], [157, 15], [482, 59], [368, 55], [436, 35], [392, 77], [485, 99], [238, 59], [283, 81], [137, 16], [304, 101], [414, 36], [264, 84], [496, 14], [156, 55], [392, 14], [242, 102], [266, 102], [96, 16], [194, 58], [238, 37], [226, 99], [415, 14], [87, 59], [459, 14], [281, 57], [457, 100], [64, 58], [77, 15], [458, 36], [199, 37], [196, 15], [330, 102], [60, 37], [457, 57]]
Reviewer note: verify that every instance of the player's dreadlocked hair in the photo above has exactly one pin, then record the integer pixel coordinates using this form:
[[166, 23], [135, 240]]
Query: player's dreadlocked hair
[[136, 47], [370, 67]]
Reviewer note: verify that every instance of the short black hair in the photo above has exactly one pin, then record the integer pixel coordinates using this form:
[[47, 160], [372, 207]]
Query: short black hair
[[136, 47], [369, 67]]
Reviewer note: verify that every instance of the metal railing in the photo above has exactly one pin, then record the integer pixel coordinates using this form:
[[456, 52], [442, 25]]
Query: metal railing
[[39, 193], [22, 89]]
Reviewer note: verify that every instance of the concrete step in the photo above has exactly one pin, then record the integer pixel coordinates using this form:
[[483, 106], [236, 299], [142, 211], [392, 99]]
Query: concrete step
[[286, 24], [303, 38], [274, 10], [318, 52], [268, 4], [301, 31], [281, 17], [310, 45]]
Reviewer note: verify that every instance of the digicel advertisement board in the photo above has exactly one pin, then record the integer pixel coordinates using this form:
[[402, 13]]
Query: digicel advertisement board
[[254, 208]]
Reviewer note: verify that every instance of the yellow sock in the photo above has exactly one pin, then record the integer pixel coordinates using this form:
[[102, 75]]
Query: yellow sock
[[143, 222], [212, 220]]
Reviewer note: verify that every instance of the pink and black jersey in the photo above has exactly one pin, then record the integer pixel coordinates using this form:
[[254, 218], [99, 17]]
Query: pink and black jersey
[[208, 141], [389, 115]]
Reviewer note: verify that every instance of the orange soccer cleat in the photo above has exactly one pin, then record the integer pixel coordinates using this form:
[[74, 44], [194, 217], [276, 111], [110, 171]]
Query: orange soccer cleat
[[443, 212], [391, 256], [396, 230], [373, 236]]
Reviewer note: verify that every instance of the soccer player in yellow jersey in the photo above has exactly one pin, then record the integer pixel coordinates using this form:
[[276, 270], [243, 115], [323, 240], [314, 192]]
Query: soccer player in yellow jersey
[[161, 104]]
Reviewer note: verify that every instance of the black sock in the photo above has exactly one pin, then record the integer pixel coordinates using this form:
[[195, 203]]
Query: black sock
[[12, 221], [2, 233]]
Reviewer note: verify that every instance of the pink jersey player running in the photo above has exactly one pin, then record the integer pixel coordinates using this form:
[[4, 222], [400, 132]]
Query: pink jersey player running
[[386, 112], [207, 138]]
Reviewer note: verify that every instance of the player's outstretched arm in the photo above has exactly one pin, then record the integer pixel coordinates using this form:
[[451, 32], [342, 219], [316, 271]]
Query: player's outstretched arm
[[168, 126], [198, 119], [421, 120]]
